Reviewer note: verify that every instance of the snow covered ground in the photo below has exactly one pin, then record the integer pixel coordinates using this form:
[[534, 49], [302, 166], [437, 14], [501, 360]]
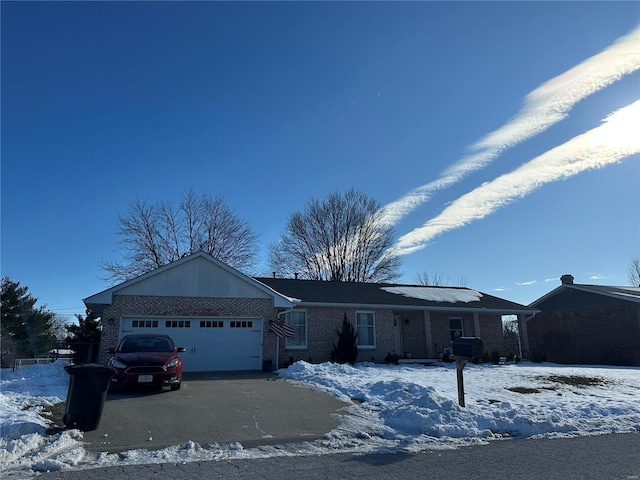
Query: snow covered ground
[[409, 408]]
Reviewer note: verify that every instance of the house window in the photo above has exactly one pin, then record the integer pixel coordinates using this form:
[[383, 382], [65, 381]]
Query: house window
[[455, 327], [144, 324], [366, 329], [241, 324], [298, 320], [177, 324], [211, 324]]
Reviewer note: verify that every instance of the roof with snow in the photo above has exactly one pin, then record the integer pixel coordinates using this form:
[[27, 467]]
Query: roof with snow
[[201, 275], [380, 295]]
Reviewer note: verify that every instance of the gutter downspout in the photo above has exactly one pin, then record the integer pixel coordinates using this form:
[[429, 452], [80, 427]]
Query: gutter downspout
[[285, 311]]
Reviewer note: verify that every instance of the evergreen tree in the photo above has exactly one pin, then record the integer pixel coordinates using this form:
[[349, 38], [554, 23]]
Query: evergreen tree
[[346, 351], [84, 338], [30, 328]]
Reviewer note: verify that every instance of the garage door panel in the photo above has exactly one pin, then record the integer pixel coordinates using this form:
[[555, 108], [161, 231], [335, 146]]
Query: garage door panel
[[222, 362], [211, 344]]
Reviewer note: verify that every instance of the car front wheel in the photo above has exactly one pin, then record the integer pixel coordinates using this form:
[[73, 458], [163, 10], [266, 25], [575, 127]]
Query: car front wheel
[[176, 386]]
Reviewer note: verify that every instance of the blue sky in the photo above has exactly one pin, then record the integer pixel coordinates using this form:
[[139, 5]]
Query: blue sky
[[271, 104]]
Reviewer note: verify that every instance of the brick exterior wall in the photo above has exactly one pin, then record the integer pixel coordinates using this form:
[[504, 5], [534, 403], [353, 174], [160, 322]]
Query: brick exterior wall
[[491, 333], [323, 323], [592, 336], [130, 305], [490, 330]]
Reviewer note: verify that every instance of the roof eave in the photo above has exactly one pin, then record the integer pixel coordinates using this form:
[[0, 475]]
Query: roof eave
[[582, 288], [550, 294], [97, 308], [99, 301], [448, 308], [620, 296]]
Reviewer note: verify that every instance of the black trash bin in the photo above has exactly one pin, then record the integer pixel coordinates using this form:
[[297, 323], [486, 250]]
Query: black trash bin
[[88, 385]]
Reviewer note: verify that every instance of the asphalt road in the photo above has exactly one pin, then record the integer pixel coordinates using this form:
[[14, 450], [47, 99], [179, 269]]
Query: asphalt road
[[600, 457]]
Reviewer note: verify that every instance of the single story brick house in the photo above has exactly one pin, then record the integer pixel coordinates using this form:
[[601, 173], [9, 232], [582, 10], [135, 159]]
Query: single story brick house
[[587, 324], [222, 317]]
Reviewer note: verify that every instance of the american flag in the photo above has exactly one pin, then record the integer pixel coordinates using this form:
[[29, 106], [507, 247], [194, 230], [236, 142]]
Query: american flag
[[282, 330]]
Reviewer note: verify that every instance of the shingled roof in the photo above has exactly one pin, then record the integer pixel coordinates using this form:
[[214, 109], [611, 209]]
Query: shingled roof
[[627, 293], [624, 293], [387, 295]]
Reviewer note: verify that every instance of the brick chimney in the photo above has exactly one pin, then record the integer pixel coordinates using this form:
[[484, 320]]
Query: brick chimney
[[567, 279]]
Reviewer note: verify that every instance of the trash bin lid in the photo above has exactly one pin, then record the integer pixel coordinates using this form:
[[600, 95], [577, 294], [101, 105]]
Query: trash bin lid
[[89, 369]]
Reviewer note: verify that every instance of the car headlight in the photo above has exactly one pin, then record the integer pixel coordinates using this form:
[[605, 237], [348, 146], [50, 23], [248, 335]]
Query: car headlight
[[173, 363], [115, 363]]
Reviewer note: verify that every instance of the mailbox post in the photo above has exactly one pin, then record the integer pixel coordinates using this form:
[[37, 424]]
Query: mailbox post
[[464, 349], [460, 364]]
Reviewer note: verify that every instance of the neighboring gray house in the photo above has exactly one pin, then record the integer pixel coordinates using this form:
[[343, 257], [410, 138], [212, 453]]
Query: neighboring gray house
[[587, 324], [222, 316]]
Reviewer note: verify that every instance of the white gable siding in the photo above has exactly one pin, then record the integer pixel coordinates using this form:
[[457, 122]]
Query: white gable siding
[[196, 278]]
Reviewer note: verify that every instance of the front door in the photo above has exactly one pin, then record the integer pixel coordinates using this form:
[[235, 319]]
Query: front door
[[397, 333]]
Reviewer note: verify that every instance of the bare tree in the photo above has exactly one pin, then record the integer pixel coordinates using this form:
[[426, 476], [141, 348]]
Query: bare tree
[[59, 324], [152, 235], [341, 238], [511, 335], [437, 279], [634, 272]]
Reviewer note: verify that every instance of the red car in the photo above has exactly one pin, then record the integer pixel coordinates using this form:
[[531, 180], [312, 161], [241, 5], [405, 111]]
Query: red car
[[146, 360]]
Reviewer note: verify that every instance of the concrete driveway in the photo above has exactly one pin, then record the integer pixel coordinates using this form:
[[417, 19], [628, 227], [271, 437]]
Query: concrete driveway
[[252, 408]]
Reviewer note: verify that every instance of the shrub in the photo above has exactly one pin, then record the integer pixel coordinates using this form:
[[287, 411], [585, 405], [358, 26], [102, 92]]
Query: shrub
[[392, 358], [495, 356], [492, 356], [346, 351]]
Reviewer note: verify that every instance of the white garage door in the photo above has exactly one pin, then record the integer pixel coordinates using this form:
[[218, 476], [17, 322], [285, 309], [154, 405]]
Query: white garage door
[[211, 343]]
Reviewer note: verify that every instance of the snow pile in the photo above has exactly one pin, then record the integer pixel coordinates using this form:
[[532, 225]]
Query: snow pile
[[25, 393], [24, 396], [436, 294], [418, 405], [390, 408]]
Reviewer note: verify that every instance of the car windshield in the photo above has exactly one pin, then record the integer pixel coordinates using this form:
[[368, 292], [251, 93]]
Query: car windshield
[[146, 345]]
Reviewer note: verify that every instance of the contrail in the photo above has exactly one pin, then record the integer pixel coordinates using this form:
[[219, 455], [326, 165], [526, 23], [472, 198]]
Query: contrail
[[543, 107], [609, 143]]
